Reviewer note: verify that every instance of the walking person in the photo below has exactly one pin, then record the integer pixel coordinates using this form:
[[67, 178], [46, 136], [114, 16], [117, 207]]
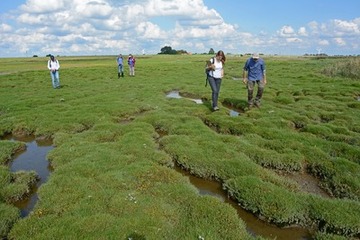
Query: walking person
[[131, 63], [120, 63], [254, 73], [215, 75], [54, 66]]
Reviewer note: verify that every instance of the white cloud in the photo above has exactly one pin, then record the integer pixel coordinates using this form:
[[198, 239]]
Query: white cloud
[[94, 9], [41, 6], [323, 42], [293, 40], [286, 31], [5, 28], [148, 30], [339, 41], [302, 31], [68, 27], [345, 26]]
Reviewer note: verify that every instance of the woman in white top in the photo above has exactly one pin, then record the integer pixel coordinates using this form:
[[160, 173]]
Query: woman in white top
[[215, 74], [53, 66]]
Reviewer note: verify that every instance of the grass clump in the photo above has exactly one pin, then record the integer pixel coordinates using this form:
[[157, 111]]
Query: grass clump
[[267, 200], [9, 216], [349, 68], [118, 139]]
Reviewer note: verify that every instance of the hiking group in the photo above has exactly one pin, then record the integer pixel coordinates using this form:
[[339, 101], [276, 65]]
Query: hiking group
[[253, 74], [120, 63]]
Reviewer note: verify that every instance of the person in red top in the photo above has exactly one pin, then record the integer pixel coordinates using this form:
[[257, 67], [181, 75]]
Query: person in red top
[[131, 63]]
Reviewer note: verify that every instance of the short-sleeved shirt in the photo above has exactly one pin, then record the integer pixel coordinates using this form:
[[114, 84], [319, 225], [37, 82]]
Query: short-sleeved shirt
[[255, 69], [119, 60], [218, 68]]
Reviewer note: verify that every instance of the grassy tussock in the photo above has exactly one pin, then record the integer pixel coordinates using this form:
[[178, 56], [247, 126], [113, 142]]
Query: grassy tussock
[[348, 68], [117, 139]]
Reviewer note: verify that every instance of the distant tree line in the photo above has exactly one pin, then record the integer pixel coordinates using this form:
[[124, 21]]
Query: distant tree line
[[169, 50]]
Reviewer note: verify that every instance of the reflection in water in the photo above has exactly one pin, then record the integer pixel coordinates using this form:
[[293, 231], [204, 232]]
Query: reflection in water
[[33, 159], [254, 225], [234, 113], [176, 94]]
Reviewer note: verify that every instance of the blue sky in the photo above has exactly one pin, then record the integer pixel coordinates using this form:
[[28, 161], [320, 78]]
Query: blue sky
[[103, 27]]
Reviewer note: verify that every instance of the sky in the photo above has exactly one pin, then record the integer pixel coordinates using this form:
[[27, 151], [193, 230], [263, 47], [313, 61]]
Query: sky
[[110, 27]]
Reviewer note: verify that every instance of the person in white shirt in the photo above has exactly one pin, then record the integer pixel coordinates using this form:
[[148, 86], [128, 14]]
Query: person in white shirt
[[54, 66], [214, 76]]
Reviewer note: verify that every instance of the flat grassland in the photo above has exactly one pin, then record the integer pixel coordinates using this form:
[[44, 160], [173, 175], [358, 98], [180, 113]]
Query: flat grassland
[[117, 141]]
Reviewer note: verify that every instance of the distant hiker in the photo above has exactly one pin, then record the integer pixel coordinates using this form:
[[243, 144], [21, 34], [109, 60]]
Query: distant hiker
[[53, 66], [214, 76], [254, 73], [131, 63], [119, 61]]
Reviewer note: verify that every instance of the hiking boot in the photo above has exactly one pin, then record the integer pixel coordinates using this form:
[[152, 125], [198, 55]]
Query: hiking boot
[[216, 108], [257, 104]]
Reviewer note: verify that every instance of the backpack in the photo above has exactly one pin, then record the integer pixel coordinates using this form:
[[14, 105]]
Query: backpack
[[207, 70]]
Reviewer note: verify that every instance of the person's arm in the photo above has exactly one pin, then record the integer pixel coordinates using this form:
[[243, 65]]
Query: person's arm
[[264, 77], [246, 72], [264, 73], [245, 76], [57, 65]]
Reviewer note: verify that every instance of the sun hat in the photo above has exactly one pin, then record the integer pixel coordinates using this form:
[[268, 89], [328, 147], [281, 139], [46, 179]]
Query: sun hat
[[255, 55]]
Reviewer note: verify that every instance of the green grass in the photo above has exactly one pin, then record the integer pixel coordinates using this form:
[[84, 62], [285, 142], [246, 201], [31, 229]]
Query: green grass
[[117, 140]]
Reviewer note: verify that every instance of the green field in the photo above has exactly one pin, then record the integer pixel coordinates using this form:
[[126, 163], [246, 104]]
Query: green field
[[117, 142]]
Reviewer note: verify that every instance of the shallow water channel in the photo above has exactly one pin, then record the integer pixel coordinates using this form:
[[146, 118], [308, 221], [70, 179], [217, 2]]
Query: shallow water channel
[[33, 158], [254, 225], [176, 94]]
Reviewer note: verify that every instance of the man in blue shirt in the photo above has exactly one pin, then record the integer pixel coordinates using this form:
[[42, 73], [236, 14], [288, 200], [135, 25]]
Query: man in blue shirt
[[254, 73], [120, 63]]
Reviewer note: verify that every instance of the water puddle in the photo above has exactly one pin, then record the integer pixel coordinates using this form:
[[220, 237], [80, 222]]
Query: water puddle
[[254, 225], [233, 111], [176, 94], [32, 159]]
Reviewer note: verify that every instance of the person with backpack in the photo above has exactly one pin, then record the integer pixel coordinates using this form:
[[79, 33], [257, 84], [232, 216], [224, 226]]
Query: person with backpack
[[54, 66], [254, 73], [215, 72], [131, 63], [119, 61]]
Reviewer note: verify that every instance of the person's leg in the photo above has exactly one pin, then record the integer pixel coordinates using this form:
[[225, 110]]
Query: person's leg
[[52, 74], [132, 71], [259, 93], [119, 70], [215, 91], [218, 85], [57, 79], [250, 88], [122, 70]]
